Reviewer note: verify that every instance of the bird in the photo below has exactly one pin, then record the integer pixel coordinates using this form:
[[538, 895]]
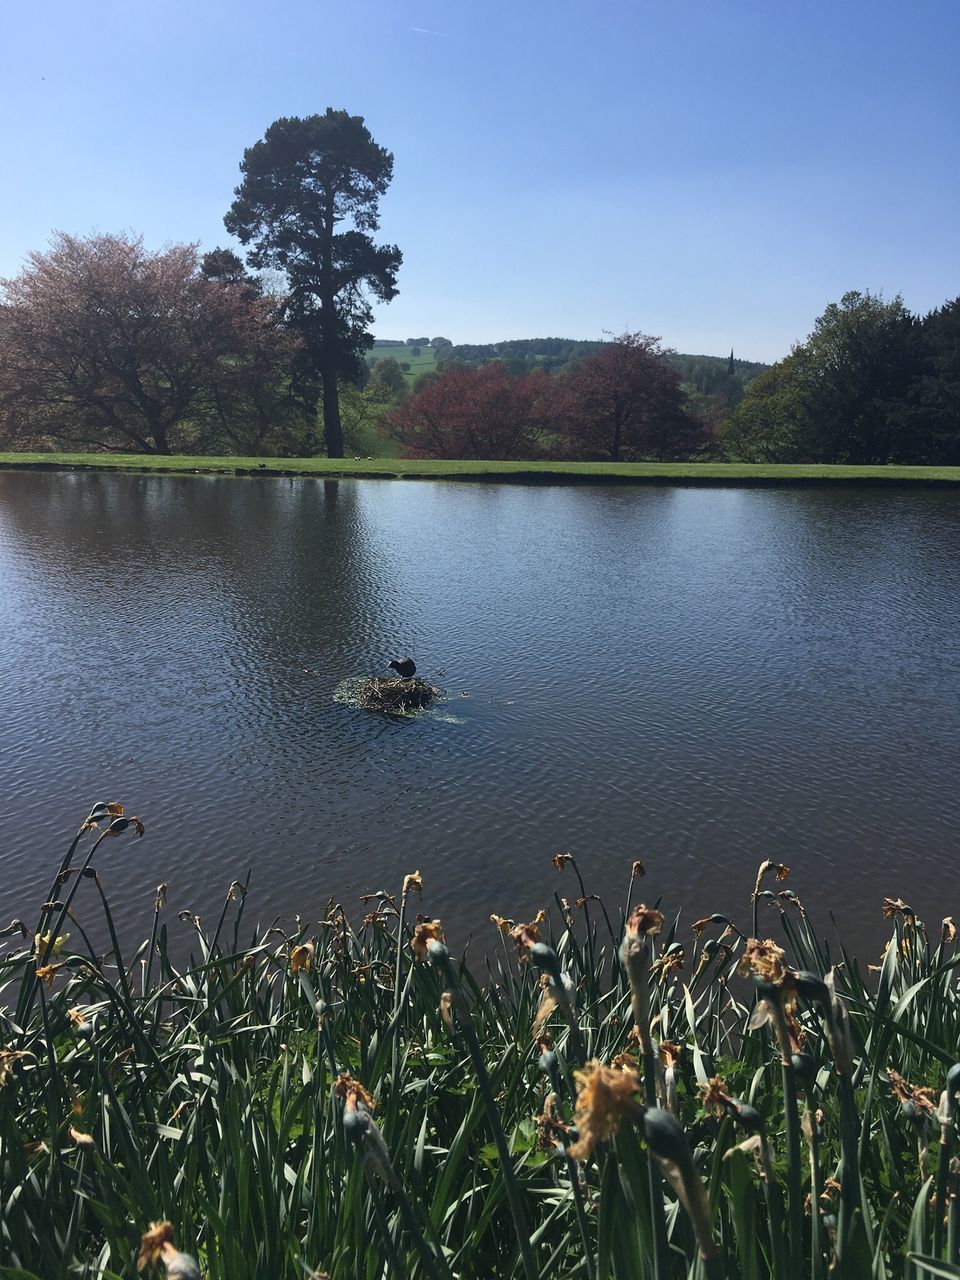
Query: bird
[[404, 667]]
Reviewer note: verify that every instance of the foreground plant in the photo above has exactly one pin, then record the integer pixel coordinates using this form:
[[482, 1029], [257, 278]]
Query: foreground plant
[[616, 1100]]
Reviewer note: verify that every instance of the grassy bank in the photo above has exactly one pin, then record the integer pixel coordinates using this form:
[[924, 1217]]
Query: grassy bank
[[623, 1096], [696, 473]]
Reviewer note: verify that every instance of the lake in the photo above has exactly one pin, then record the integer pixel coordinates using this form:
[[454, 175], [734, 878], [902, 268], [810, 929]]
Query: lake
[[697, 677]]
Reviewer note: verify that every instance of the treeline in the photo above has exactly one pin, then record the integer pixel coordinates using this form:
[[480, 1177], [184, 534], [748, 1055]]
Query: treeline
[[709, 381], [107, 346], [872, 384], [623, 401]]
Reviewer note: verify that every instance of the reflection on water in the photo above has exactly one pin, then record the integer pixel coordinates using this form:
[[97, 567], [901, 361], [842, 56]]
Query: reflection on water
[[697, 677]]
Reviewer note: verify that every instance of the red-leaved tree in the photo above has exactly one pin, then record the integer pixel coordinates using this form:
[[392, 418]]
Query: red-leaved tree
[[474, 413], [106, 345], [626, 403]]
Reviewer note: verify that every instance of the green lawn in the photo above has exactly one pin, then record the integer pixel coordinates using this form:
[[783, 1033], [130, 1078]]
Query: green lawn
[[441, 469]]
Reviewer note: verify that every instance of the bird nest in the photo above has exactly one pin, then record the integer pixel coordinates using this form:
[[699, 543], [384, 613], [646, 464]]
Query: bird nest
[[395, 696]]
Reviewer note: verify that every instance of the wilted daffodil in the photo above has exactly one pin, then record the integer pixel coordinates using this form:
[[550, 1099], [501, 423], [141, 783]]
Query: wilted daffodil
[[156, 1245], [605, 1097], [425, 932], [41, 942]]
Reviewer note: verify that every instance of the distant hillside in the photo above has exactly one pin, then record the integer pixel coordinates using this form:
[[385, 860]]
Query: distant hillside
[[703, 377]]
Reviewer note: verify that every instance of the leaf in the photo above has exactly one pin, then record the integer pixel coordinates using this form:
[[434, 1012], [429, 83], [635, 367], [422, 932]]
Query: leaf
[[934, 1266]]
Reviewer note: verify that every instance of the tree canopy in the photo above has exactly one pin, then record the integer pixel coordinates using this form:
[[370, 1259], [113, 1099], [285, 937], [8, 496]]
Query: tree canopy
[[625, 402], [869, 385], [474, 413], [106, 345], [301, 182]]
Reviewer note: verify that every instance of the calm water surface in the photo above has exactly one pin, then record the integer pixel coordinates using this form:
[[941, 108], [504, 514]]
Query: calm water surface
[[697, 677]]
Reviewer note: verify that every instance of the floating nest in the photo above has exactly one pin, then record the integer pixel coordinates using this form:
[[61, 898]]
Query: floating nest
[[394, 696]]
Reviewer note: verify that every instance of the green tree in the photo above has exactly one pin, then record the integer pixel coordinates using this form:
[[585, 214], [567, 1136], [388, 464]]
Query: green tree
[[931, 413], [838, 397], [305, 179], [387, 377]]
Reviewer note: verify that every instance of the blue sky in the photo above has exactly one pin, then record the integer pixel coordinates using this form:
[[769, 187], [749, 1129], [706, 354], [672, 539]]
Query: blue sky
[[711, 171]]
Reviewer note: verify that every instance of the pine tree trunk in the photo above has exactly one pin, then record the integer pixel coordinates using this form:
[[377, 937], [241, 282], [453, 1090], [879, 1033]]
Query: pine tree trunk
[[332, 428]]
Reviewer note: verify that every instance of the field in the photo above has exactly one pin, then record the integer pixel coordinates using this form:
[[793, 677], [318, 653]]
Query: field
[[425, 362]]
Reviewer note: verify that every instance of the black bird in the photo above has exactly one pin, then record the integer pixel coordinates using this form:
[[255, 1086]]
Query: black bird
[[404, 667]]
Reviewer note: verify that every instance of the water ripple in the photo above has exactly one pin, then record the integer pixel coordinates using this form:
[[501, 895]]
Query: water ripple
[[700, 678]]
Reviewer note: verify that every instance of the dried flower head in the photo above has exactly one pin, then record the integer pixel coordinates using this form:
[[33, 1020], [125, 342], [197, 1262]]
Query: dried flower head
[[625, 1061], [412, 883], [644, 922], [525, 935], [156, 1245], [637, 870], [669, 962], [714, 1097], [897, 907], [765, 960], [605, 1097], [831, 1190], [426, 931], [83, 1140], [47, 972], [7, 1058], [502, 923], [302, 957], [670, 1053], [948, 930], [923, 1099], [120, 824], [765, 867], [560, 860], [152, 1242], [237, 891], [550, 1126], [352, 1092]]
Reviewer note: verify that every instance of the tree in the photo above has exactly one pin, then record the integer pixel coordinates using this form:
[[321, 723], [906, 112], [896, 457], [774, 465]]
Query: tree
[[625, 402], [929, 418], [473, 413], [387, 376], [837, 397], [226, 267], [303, 180], [105, 344]]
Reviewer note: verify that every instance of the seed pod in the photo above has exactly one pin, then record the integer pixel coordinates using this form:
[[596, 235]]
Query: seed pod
[[748, 1117], [804, 1067], [665, 1135], [811, 987], [548, 1062], [544, 957], [355, 1124]]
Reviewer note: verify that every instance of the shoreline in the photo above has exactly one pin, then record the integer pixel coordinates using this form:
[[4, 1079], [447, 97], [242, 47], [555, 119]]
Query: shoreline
[[650, 473]]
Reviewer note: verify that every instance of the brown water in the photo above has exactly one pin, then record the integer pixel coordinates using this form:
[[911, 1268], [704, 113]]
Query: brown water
[[697, 677]]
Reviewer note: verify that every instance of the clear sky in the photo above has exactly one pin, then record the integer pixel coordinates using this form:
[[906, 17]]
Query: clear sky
[[711, 171]]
